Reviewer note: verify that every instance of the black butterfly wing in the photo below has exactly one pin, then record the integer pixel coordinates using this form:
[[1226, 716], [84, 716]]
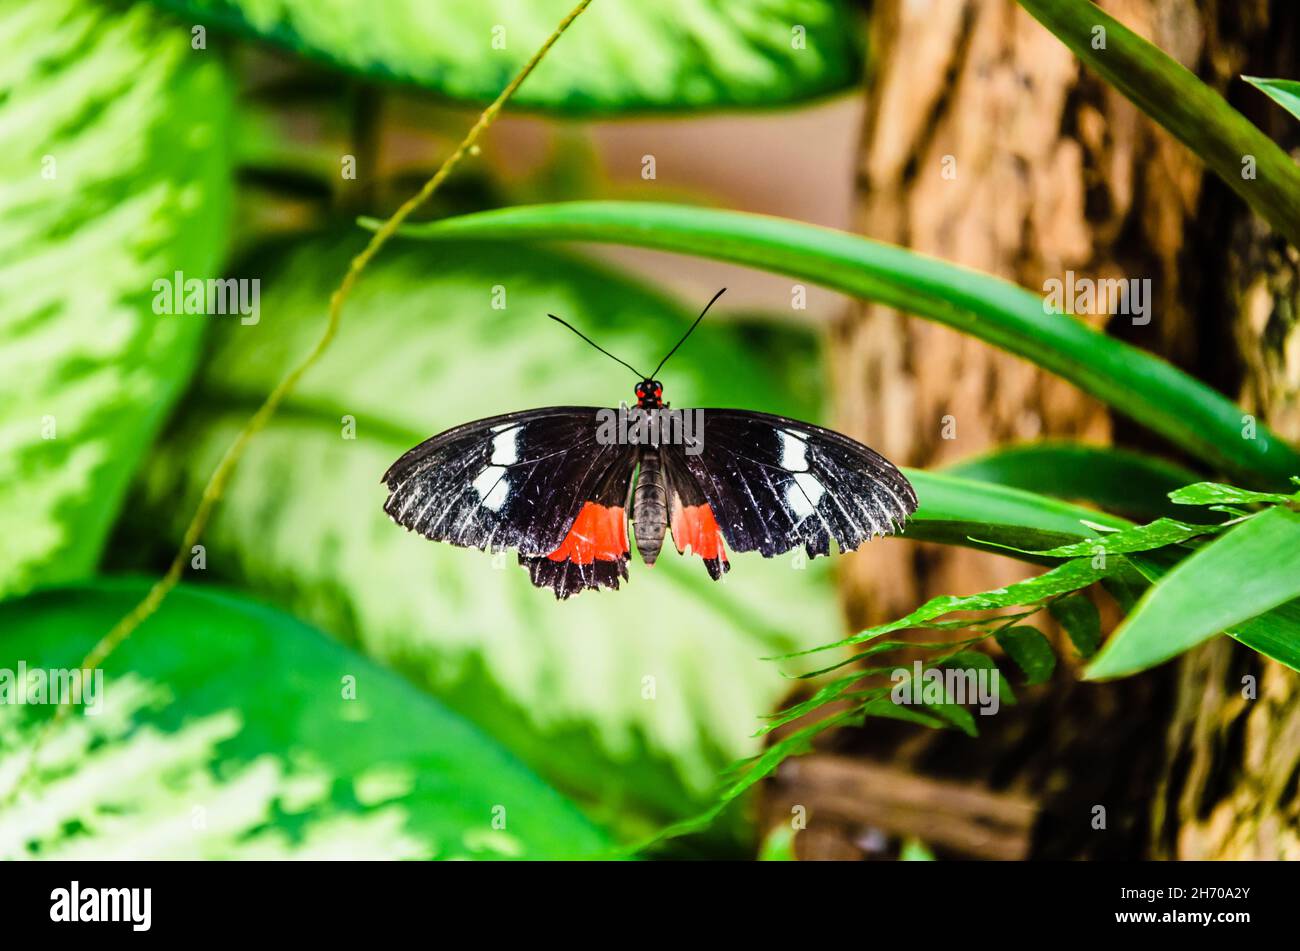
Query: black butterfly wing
[[774, 483], [691, 518], [537, 481]]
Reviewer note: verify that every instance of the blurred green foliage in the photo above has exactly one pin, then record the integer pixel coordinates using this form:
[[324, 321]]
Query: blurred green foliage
[[115, 172], [230, 730], [673, 55]]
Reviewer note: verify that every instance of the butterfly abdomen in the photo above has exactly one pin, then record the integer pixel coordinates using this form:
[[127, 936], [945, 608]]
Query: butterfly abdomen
[[650, 506]]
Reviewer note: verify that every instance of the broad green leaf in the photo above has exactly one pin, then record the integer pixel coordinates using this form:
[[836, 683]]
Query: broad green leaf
[[1240, 575], [1119, 480], [617, 56], [992, 517], [228, 730], [1285, 92], [1274, 633], [1030, 650], [1081, 620], [1134, 382], [1214, 493], [633, 698], [1192, 112], [114, 174]]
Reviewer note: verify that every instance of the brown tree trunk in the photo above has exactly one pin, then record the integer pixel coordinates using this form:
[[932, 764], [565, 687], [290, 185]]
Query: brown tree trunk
[[1233, 760], [986, 143]]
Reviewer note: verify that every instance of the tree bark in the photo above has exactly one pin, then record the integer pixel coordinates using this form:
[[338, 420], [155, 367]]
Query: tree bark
[[986, 143]]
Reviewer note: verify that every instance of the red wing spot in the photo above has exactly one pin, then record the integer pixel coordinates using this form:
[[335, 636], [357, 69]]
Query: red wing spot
[[598, 533], [695, 527]]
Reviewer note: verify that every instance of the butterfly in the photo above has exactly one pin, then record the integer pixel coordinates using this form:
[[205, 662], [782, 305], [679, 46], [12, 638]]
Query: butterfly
[[562, 484]]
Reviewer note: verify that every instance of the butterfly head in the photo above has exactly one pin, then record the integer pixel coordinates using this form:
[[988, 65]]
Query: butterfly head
[[649, 394]]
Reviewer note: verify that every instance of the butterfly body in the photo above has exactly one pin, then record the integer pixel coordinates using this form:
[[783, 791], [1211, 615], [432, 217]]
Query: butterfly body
[[650, 505]]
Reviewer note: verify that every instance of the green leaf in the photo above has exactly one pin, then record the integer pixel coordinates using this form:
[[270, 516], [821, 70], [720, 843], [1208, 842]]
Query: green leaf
[[1135, 383], [229, 730], [116, 174], [1242, 574], [1067, 577], [996, 518], [914, 850], [1030, 650], [615, 695], [617, 57], [1082, 623], [956, 715], [1157, 534], [1120, 480], [1285, 92], [1192, 112], [1214, 493], [778, 845], [1274, 633], [978, 660]]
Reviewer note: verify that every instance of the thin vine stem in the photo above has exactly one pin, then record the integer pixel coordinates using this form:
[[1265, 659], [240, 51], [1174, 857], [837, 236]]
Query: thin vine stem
[[220, 478]]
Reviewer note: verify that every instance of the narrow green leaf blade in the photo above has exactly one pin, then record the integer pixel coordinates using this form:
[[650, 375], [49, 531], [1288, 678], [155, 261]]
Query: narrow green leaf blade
[[1246, 572], [996, 518], [1215, 493], [1157, 534], [1285, 92], [1142, 386], [1118, 480], [1067, 577]]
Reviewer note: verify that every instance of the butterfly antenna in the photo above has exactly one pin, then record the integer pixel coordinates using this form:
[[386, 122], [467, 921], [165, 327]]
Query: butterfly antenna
[[598, 346], [687, 334]]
